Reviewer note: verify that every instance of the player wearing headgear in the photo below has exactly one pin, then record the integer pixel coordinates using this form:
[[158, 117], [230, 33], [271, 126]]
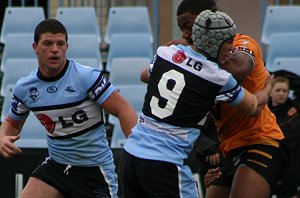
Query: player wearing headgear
[[183, 86], [253, 145]]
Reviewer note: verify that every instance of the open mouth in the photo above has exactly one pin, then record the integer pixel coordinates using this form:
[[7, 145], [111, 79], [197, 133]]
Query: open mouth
[[54, 59]]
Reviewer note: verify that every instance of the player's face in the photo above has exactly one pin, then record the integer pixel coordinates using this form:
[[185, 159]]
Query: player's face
[[185, 23], [279, 93], [225, 50], [51, 53]]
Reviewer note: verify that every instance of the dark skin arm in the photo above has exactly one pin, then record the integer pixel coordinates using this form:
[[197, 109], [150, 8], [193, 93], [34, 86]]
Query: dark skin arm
[[240, 65], [144, 77]]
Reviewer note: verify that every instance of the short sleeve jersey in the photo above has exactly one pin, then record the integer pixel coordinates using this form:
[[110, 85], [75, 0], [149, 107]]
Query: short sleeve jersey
[[236, 129], [68, 106], [183, 87]]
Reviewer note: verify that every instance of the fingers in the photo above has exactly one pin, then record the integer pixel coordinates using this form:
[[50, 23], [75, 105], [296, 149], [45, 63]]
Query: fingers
[[211, 175], [176, 42], [8, 148], [14, 138], [213, 159]]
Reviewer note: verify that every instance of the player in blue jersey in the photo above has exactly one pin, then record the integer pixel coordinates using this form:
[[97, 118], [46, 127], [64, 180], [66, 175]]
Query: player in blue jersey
[[183, 86], [68, 99]]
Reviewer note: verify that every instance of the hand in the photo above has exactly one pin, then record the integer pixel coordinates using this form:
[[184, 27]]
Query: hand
[[7, 146], [268, 85], [179, 41], [262, 96], [211, 175], [213, 159]]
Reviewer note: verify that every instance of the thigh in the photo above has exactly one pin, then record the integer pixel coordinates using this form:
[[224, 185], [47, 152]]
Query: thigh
[[259, 168], [165, 179], [214, 191], [129, 186], [36, 188], [248, 183], [268, 161], [78, 181]]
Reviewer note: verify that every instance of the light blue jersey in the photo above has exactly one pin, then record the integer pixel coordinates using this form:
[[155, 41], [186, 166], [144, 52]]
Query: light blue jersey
[[183, 87], [68, 107]]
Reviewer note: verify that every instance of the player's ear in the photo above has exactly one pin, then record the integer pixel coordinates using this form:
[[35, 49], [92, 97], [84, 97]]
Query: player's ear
[[34, 46]]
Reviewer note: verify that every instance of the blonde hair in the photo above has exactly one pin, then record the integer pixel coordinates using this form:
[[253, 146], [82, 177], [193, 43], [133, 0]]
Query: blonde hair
[[282, 79]]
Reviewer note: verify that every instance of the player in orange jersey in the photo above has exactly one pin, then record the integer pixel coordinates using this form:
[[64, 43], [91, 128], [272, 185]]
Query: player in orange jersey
[[254, 144]]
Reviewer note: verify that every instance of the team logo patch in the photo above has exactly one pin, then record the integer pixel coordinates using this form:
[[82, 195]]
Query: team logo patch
[[47, 122], [233, 94], [244, 49], [100, 86], [179, 56], [15, 103], [51, 89], [34, 93], [141, 119], [70, 90]]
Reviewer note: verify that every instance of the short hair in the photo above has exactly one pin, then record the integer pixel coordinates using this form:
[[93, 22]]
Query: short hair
[[49, 25], [196, 6], [281, 79]]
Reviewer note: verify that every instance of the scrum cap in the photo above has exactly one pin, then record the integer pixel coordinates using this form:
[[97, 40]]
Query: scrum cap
[[210, 30]]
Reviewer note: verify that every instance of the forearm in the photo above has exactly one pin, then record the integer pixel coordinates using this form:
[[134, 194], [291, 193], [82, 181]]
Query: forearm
[[262, 96], [10, 128], [144, 77], [117, 106], [128, 120]]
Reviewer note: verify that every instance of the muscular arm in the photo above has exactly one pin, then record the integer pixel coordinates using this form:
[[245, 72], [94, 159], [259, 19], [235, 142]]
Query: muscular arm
[[119, 107], [144, 77], [262, 96], [240, 65], [252, 104], [9, 133]]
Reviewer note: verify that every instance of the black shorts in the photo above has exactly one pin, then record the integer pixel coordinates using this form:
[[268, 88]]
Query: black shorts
[[87, 182], [268, 161], [141, 178]]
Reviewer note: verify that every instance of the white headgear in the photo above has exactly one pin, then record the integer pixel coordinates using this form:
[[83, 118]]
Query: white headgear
[[210, 30]]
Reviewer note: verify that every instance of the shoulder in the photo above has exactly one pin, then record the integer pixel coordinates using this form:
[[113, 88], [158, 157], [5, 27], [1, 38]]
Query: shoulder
[[81, 72], [26, 81], [247, 44], [81, 69]]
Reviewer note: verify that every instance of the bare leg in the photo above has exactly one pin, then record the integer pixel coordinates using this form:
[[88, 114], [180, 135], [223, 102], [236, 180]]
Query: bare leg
[[249, 184], [36, 188], [217, 192]]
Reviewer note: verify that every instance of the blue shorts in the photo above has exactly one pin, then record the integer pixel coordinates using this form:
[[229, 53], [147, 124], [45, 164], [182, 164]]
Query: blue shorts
[[151, 178], [87, 182]]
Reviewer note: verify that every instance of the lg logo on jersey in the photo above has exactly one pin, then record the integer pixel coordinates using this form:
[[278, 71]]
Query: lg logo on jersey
[[179, 57], [194, 64], [76, 118]]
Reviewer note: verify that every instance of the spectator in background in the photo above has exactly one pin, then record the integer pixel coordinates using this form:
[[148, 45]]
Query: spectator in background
[[287, 115]]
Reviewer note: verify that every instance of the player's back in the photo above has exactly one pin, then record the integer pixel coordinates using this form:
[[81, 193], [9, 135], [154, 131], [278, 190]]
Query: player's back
[[182, 89]]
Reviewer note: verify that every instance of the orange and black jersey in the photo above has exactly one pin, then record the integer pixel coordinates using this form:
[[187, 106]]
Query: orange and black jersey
[[235, 129]]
